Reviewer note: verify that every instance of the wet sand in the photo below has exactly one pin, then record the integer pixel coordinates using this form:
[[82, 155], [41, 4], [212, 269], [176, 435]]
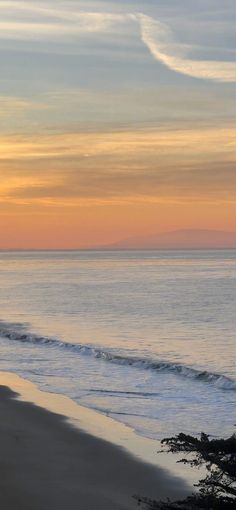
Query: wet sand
[[45, 464]]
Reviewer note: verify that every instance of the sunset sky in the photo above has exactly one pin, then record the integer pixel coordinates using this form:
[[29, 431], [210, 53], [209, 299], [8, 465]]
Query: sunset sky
[[117, 119]]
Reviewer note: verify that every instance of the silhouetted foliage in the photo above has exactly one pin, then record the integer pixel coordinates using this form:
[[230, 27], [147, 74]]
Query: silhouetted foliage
[[217, 491]]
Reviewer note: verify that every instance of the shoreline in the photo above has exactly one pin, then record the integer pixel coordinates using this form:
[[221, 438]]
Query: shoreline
[[50, 461]]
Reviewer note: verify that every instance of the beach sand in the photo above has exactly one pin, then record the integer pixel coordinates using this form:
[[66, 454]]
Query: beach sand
[[46, 464]]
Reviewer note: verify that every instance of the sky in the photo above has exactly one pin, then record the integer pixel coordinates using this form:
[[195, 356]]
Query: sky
[[117, 119]]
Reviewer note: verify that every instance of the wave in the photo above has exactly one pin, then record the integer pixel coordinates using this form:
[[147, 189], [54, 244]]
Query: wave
[[17, 332]]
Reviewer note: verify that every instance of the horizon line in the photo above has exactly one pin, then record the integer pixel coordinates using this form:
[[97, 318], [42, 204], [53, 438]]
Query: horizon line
[[106, 249]]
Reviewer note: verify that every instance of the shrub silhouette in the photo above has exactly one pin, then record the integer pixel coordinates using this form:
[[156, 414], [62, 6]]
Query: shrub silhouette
[[217, 491]]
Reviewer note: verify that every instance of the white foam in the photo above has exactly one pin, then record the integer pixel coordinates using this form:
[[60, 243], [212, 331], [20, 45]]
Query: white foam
[[17, 332]]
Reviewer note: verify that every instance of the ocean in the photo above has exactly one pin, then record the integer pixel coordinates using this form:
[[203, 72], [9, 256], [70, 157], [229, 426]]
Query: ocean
[[145, 337]]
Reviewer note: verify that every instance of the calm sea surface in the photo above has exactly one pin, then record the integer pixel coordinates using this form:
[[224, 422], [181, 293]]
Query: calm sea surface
[[148, 338]]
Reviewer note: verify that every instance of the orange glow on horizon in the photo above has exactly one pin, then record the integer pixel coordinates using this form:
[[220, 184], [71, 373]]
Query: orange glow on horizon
[[95, 226], [73, 190]]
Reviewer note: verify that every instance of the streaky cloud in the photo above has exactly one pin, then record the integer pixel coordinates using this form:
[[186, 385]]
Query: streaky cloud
[[69, 167], [51, 21]]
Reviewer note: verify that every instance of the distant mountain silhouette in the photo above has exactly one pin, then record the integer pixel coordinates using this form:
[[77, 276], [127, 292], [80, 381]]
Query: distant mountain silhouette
[[179, 239]]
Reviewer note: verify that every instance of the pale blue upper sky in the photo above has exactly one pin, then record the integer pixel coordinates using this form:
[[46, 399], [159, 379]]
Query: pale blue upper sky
[[71, 64]]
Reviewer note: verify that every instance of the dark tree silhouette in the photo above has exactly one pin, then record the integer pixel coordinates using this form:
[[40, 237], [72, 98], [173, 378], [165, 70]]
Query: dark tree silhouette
[[217, 491]]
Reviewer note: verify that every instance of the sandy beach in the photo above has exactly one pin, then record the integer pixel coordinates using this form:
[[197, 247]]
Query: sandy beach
[[47, 464]]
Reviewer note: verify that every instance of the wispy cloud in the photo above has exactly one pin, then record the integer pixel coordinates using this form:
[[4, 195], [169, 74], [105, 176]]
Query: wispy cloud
[[158, 38], [23, 20], [50, 22], [10, 106]]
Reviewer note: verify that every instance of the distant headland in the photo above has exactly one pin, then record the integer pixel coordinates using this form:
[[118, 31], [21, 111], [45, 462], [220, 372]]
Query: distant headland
[[192, 239]]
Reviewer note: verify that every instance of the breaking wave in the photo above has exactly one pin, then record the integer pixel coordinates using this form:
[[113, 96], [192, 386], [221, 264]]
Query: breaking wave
[[18, 332]]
